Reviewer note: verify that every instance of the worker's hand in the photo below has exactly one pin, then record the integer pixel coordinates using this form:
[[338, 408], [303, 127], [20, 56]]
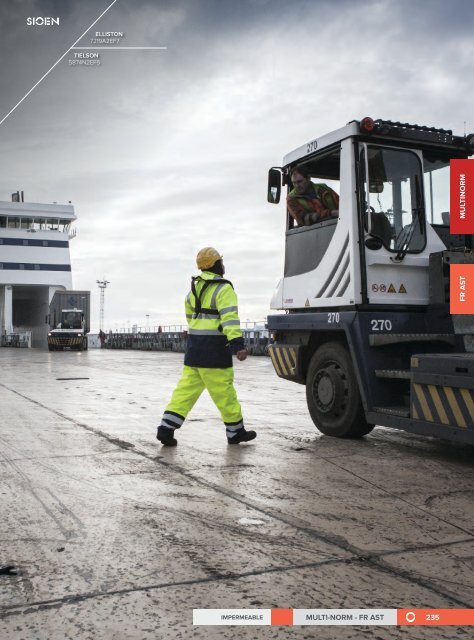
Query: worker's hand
[[242, 354]]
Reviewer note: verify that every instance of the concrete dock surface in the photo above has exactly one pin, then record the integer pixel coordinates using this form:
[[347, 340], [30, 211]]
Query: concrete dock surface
[[114, 537]]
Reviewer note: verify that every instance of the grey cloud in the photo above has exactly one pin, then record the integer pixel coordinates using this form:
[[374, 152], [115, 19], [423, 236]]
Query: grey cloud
[[164, 152]]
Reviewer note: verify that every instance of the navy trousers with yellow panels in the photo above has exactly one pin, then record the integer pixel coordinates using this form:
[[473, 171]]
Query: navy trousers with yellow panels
[[220, 385]]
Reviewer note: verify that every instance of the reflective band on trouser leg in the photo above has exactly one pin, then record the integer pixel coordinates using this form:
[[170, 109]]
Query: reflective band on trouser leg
[[187, 391], [220, 384], [231, 428], [171, 420]]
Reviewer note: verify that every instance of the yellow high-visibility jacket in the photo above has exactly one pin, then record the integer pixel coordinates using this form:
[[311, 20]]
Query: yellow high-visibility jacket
[[214, 326]]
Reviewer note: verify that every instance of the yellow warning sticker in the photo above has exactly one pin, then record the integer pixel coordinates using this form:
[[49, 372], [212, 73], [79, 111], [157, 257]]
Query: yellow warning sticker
[[402, 289], [306, 304], [392, 289]]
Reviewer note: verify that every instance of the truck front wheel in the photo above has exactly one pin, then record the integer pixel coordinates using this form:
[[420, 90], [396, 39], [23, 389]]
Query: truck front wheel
[[332, 393]]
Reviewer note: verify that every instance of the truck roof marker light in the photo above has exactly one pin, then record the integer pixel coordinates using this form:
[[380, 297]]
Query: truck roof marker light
[[367, 125]]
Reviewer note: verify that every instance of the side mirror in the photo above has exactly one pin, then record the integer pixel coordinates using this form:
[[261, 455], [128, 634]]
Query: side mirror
[[375, 186], [274, 186]]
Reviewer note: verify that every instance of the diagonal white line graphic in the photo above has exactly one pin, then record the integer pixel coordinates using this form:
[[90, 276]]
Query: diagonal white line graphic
[[56, 63], [112, 48]]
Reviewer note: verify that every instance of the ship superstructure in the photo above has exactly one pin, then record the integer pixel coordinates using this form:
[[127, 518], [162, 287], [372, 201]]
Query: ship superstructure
[[34, 263]]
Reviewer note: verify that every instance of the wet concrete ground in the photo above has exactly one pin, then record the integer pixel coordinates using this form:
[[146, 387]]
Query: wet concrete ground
[[114, 537]]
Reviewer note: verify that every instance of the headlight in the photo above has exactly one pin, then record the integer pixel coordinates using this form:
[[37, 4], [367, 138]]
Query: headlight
[[79, 335], [49, 334]]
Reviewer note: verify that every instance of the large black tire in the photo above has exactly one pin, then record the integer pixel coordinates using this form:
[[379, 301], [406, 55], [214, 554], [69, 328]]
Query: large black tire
[[332, 393], [51, 347], [85, 344]]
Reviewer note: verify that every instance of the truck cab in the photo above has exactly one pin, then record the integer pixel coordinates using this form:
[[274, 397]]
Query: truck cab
[[69, 319], [366, 291]]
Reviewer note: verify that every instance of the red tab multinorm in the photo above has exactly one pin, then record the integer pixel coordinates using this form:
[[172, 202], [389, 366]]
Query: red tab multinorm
[[462, 196]]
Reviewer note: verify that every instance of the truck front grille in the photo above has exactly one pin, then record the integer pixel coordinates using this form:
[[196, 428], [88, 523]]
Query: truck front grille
[[64, 341]]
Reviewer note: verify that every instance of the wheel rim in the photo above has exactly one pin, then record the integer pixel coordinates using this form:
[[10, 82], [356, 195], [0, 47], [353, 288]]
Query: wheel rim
[[330, 389]]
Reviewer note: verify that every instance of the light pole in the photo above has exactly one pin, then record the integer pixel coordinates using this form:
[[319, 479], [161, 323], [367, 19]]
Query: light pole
[[102, 286]]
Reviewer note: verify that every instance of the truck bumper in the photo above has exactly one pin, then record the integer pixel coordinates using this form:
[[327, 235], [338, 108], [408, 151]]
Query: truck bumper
[[286, 360], [442, 390], [64, 341]]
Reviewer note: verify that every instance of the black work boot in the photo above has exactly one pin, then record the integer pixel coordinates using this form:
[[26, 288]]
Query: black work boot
[[242, 436], [166, 436]]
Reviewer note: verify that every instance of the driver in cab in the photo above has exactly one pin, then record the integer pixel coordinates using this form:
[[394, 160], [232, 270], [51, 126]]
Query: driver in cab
[[309, 203]]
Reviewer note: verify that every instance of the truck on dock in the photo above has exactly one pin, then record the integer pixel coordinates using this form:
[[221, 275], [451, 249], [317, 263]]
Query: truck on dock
[[69, 319], [367, 326]]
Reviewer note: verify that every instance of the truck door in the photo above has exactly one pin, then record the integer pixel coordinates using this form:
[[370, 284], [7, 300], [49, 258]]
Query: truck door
[[397, 242], [319, 267]]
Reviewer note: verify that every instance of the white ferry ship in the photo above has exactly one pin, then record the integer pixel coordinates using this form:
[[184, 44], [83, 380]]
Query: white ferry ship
[[34, 263]]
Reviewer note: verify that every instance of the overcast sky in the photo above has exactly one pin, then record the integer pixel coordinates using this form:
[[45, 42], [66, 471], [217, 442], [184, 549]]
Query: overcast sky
[[163, 152]]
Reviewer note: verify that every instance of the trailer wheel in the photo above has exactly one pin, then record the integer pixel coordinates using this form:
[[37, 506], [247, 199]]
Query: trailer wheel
[[332, 393]]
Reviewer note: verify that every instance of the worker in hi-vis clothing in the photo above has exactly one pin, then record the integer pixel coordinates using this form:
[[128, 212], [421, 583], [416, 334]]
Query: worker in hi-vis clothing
[[214, 335]]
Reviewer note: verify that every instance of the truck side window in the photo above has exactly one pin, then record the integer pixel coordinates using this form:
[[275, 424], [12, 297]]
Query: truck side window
[[436, 178], [313, 191]]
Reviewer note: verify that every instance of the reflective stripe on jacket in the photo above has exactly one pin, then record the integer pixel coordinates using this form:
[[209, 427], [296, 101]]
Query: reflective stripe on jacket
[[214, 329]]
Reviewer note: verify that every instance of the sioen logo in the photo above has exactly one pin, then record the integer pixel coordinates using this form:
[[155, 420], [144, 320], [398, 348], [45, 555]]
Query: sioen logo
[[42, 22]]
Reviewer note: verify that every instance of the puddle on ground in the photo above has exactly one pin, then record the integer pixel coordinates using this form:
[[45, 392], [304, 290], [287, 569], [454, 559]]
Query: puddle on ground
[[250, 522]]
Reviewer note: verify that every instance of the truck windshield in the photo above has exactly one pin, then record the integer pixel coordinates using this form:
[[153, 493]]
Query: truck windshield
[[393, 198], [71, 320]]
